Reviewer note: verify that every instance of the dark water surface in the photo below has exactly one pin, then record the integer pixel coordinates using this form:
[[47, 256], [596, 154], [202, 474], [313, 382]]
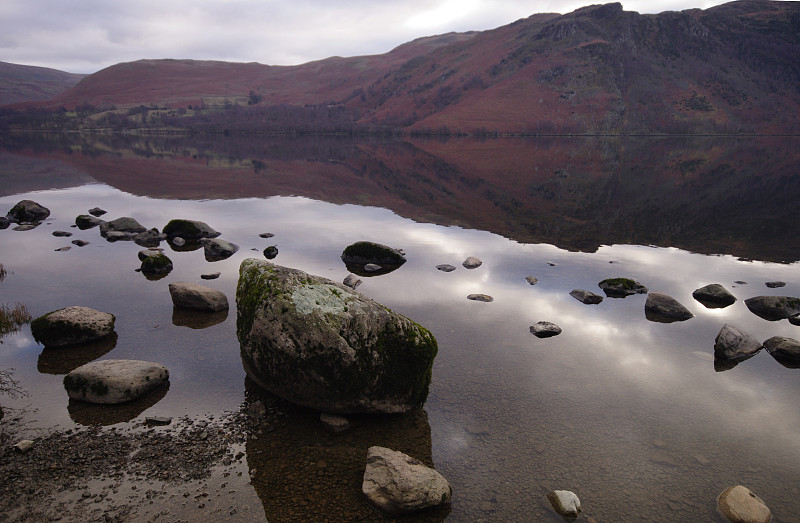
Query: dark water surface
[[627, 413]]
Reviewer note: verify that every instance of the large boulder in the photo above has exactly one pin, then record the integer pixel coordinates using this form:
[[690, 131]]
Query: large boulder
[[665, 309], [732, 346], [786, 351], [773, 308], [125, 225], [739, 505], [395, 483], [114, 381], [621, 287], [27, 211], [71, 325], [197, 297], [321, 344], [714, 296], [191, 230]]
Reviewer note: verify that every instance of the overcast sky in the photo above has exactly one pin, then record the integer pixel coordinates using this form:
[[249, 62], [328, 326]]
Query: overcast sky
[[84, 36]]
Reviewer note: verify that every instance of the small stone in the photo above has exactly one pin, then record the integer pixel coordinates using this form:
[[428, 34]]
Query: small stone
[[178, 241], [472, 263], [266, 235], [545, 329], [24, 445], [63, 249], [532, 280], [770, 284], [96, 211], [565, 503], [372, 267], [271, 252], [62, 234], [480, 297], [446, 267], [210, 276], [352, 281], [157, 420], [587, 297], [739, 505], [335, 424], [80, 243]]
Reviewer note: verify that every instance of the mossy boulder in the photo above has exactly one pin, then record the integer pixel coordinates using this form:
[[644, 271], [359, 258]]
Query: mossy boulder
[[114, 381], [156, 263], [27, 211], [191, 230], [72, 325], [621, 287], [320, 344]]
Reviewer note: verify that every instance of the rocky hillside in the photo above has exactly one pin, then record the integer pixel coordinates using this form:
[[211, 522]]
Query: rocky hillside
[[734, 68], [24, 83]]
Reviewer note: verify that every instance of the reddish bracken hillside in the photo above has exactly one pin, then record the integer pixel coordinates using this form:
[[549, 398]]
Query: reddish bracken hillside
[[734, 68], [25, 83]]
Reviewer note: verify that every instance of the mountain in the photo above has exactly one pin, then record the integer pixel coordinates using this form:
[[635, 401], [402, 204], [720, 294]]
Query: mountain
[[734, 68], [24, 83]]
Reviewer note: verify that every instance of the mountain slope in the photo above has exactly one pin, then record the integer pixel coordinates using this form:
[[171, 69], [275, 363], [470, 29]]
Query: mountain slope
[[734, 68], [24, 83]]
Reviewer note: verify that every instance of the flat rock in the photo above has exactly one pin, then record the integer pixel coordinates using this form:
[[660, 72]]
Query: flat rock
[[773, 308], [565, 503], [621, 287], [321, 344], [545, 329], [532, 280], [62, 234], [775, 284], [80, 243], [191, 230], [266, 235], [124, 224], [733, 345], [114, 381], [714, 296], [27, 211], [210, 275], [197, 297], [739, 505], [786, 351], [665, 309], [472, 263], [71, 325], [445, 267], [480, 297], [395, 483], [587, 297], [216, 249]]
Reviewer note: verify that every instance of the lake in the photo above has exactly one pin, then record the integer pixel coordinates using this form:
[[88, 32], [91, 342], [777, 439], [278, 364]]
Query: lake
[[628, 413]]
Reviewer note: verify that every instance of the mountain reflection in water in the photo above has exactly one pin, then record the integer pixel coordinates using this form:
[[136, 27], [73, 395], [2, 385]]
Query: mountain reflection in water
[[711, 195]]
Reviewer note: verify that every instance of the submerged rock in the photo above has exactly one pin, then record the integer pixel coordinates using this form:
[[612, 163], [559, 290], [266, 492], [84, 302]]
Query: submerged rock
[[210, 275], [395, 483], [320, 344], [714, 296], [732, 346], [665, 309], [786, 351], [565, 503], [480, 297], [114, 381], [472, 263], [621, 287], [191, 230], [773, 308], [545, 329], [27, 211], [739, 505], [587, 297], [197, 297], [360, 255], [216, 249], [335, 424], [71, 325]]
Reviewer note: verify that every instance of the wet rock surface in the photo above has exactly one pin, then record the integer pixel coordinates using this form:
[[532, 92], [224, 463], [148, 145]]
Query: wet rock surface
[[714, 296], [197, 297], [27, 211], [739, 505], [114, 381], [545, 329], [665, 309], [621, 287], [587, 297], [732, 346], [72, 325], [773, 308]]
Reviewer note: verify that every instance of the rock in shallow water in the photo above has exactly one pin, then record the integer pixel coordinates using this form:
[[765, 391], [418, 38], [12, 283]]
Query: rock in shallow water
[[71, 325], [739, 505], [564, 502], [732, 346], [786, 351], [28, 211], [545, 329], [714, 296], [320, 344], [773, 308], [621, 287], [472, 263], [665, 309], [587, 297], [395, 483], [114, 381], [197, 297]]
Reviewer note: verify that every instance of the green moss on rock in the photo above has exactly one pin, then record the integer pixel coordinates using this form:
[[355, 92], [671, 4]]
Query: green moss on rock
[[156, 264]]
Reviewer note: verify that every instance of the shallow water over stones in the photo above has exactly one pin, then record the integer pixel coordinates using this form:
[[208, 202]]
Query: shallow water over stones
[[614, 408]]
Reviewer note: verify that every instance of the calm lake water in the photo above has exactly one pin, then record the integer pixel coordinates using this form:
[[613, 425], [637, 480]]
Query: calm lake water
[[628, 413]]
